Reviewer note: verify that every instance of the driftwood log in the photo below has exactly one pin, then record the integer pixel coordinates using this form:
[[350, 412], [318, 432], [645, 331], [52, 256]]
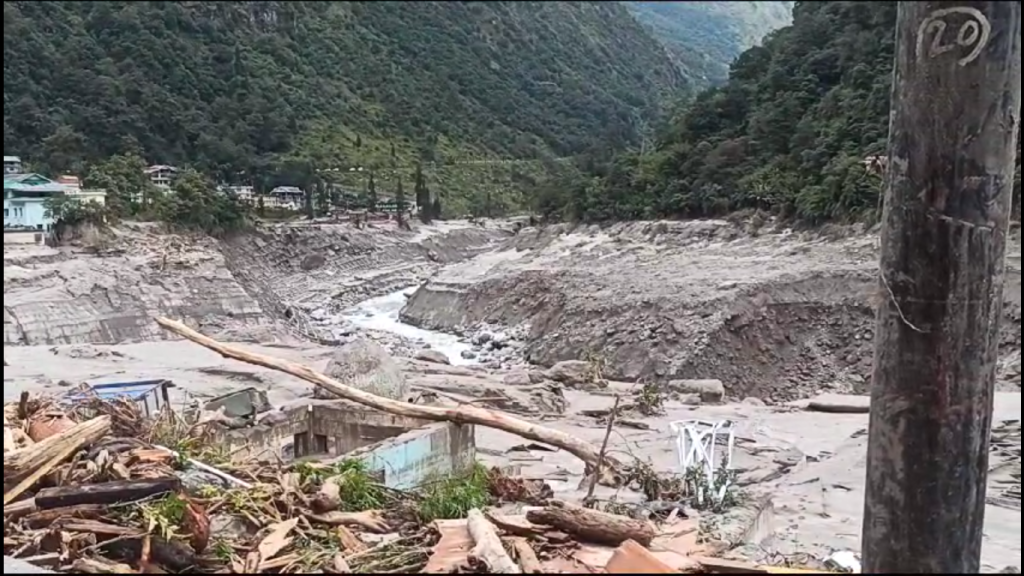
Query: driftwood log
[[465, 414], [487, 547], [593, 525]]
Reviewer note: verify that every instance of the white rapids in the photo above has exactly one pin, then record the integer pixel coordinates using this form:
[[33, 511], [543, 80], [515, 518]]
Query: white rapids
[[381, 314]]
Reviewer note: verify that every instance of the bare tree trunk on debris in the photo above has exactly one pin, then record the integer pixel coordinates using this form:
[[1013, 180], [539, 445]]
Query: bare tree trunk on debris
[[465, 414], [956, 108]]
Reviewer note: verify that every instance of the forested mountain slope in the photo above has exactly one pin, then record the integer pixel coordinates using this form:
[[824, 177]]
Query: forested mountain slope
[[788, 133], [227, 86], [705, 37]]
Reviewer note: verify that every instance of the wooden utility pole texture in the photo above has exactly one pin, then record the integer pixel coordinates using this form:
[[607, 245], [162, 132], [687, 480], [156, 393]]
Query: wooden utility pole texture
[[956, 108]]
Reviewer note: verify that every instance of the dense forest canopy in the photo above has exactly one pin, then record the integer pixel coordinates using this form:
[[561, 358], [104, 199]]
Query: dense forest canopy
[[226, 86], [705, 37], [444, 94], [788, 133]]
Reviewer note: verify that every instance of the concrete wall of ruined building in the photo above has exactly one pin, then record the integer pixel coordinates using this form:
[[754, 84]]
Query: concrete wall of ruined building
[[406, 451], [421, 455]]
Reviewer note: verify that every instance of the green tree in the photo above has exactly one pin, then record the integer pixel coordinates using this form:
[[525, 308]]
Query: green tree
[[423, 203], [323, 198], [400, 201], [65, 151], [309, 203], [69, 214], [436, 208], [129, 189], [371, 194], [195, 204]]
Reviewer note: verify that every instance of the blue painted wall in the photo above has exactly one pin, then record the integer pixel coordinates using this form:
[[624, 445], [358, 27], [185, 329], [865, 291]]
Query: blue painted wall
[[26, 213], [418, 456]]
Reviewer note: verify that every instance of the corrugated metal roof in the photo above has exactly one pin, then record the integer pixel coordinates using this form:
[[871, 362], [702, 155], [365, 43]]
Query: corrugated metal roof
[[23, 177]]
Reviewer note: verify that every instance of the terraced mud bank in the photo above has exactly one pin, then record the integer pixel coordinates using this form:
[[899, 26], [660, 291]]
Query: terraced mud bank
[[775, 315], [308, 274], [108, 292], [263, 286]]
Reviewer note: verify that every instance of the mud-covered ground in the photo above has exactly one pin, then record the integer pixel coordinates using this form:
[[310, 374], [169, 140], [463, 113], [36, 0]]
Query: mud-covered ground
[[812, 465], [775, 316]]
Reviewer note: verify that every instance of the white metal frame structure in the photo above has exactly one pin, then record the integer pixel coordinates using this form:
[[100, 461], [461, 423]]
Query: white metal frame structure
[[697, 443]]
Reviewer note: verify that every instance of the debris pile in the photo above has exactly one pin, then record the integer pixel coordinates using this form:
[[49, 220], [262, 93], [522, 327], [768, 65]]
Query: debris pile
[[98, 486], [89, 488]]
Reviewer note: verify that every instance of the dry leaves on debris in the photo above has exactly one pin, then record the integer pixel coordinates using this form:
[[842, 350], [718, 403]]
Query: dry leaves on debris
[[95, 492]]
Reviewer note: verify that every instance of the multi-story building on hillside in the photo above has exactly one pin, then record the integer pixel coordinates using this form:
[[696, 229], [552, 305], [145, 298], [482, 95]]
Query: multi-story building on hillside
[[25, 197], [161, 175]]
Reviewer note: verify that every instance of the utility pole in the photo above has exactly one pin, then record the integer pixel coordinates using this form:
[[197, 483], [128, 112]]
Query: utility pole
[[956, 112]]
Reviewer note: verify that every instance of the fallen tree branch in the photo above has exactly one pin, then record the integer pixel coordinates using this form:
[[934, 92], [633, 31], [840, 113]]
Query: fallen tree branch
[[97, 566], [601, 455], [488, 548], [465, 414]]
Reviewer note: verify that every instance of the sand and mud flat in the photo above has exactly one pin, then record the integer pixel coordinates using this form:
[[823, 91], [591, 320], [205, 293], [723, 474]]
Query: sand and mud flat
[[776, 317]]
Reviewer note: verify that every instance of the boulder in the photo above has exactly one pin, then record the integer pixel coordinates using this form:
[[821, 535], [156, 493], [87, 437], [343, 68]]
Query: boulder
[[690, 400], [570, 373], [432, 356], [517, 378], [366, 365], [312, 262], [710, 391]]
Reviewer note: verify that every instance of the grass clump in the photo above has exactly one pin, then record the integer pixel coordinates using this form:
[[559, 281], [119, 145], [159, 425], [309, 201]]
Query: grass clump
[[165, 515], [452, 497], [359, 489]]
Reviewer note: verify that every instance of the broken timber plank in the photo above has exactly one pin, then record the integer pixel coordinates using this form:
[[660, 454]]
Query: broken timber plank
[[106, 493]]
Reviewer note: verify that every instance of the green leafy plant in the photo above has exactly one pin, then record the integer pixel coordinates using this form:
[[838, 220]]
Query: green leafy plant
[[454, 496]]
